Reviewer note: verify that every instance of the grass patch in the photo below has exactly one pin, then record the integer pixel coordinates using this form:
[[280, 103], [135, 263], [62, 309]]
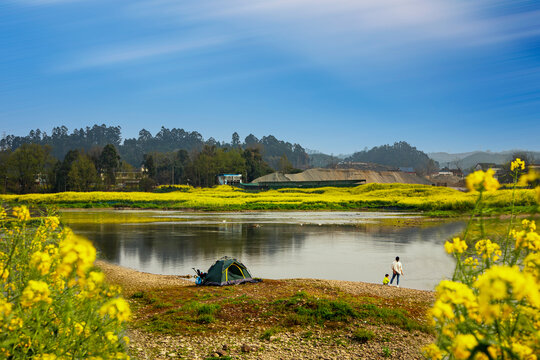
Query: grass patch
[[207, 309], [157, 324], [362, 335], [138, 295], [205, 319], [269, 333], [310, 310], [162, 305]]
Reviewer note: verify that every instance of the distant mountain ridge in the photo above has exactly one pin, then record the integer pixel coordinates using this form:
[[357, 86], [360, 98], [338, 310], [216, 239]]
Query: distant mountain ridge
[[470, 159]]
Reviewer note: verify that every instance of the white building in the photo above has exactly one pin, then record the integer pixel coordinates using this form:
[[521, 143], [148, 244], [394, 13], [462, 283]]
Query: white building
[[229, 179]]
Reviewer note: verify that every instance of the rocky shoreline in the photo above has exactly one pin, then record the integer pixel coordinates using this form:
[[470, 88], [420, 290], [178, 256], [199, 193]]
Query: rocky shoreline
[[328, 341]]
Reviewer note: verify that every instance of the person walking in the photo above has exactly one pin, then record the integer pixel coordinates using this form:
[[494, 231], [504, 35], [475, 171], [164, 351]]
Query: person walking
[[397, 270]]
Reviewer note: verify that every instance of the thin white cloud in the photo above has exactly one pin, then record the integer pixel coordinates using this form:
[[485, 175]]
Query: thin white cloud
[[382, 24], [124, 54], [327, 33]]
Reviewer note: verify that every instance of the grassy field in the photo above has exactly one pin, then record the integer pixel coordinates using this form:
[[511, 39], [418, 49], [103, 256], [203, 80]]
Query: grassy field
[[225, 198]]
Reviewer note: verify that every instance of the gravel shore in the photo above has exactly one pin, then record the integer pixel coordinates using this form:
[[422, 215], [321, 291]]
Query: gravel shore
[[310, 343]]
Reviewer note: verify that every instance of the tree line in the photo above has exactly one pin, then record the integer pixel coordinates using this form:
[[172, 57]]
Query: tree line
[[133, 150], [33, 168]]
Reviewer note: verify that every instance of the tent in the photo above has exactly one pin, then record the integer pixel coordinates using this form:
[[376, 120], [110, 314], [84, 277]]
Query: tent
[[227, 271]]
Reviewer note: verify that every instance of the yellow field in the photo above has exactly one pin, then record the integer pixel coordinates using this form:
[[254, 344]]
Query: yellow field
[[402, 196]]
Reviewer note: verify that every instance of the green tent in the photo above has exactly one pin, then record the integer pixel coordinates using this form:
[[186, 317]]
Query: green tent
[[227, 271]]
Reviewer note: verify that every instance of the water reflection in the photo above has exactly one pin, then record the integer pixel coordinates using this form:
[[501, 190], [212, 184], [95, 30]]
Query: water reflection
[[278, 245]]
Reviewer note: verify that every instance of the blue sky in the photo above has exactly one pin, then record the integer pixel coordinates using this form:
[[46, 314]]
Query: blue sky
[[332, 75]]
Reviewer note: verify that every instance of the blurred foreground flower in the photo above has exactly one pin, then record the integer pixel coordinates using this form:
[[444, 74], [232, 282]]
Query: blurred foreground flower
[[482, 181], [51, 295]]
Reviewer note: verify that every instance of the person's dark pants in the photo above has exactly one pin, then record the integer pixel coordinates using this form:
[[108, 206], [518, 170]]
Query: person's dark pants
[[393, 276]]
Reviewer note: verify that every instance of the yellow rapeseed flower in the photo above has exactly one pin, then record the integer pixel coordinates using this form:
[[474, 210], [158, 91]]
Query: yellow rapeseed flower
[[455, 293], [34, 292], [52, 222], [3, 213], [458, 246], [462, 345], [5, 309], [79, 327], [41, 261], [528, 178], [120, 356], [517, 164], [45, 357], [117, 308], [529, 225], [432, 351], [500, 283], [471, 261], [531, 264], [4, 272], [111, 337], [488, 249], [529, 240], [21, 213], [482, 181], [523, 352], [76, 253]]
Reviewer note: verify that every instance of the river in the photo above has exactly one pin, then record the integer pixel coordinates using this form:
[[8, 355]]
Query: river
[[356, 246]]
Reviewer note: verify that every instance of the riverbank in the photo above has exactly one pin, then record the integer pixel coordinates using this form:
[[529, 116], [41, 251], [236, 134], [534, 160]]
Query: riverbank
[[274, 319], [425, 198]]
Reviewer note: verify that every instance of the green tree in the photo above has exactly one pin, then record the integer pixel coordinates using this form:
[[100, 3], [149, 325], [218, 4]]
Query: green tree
[[62, 170], [255, 165], [30, 166], [4, 168], [83, 174], [285, 165], [109, 161], [235, 140], [149, 167]]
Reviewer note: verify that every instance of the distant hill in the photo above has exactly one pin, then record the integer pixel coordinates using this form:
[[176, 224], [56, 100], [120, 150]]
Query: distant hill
[[400, 154], [470, 159], [443, 158]]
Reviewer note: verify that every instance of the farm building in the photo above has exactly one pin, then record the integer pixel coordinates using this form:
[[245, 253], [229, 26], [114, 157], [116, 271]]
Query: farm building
[[229, 179]]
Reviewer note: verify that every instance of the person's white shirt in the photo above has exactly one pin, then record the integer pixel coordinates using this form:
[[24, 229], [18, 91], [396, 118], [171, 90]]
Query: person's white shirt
[[396, 266]]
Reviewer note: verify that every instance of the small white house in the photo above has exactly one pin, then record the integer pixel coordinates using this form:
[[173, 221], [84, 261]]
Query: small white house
[[229, 179]]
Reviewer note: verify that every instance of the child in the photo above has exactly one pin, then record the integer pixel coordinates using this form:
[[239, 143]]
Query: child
[[386, 279]]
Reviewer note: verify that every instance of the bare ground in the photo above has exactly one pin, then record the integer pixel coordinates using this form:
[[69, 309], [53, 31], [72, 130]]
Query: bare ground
[[245, 342]]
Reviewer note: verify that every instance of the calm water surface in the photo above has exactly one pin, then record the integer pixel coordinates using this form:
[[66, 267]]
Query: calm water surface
[[355, 246]]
